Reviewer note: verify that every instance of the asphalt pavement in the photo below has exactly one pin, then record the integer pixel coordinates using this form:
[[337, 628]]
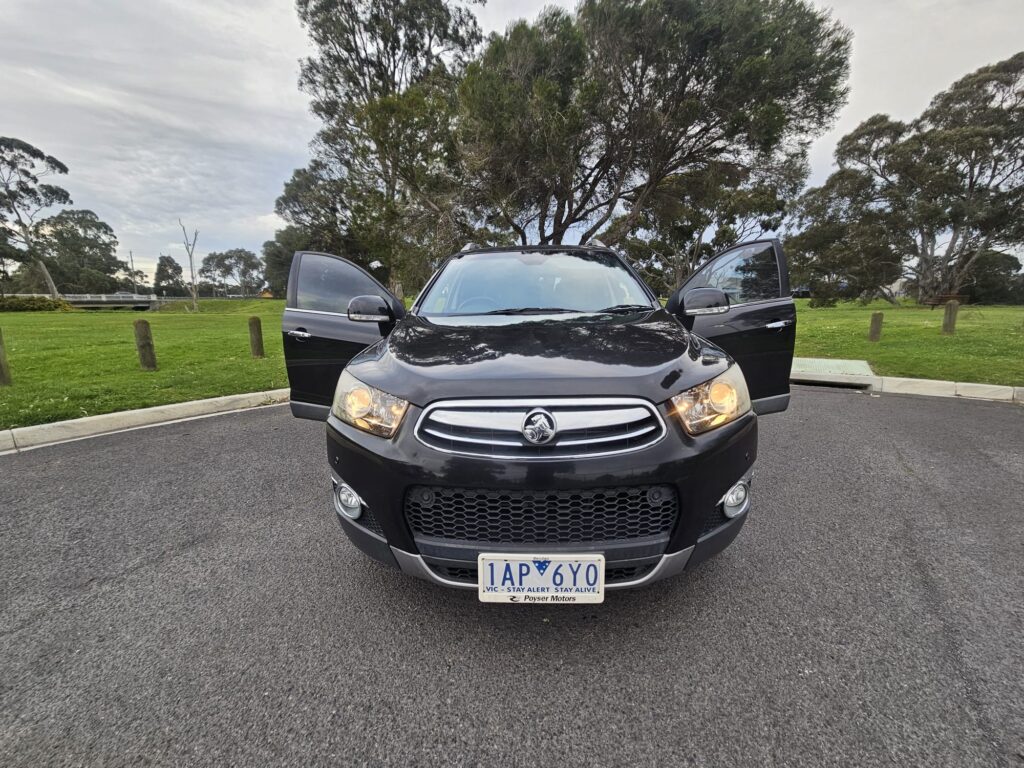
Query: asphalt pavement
[[181, 595]]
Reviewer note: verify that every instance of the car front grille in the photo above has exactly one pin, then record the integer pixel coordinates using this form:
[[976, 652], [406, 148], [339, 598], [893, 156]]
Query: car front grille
[[587, 516], [584, 426]]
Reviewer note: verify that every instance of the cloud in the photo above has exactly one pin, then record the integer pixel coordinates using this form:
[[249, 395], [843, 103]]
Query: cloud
[[191, 108], [163, 110], [906, 51]]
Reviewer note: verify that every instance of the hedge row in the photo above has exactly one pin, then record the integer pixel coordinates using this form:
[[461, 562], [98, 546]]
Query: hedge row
[[33, 304]]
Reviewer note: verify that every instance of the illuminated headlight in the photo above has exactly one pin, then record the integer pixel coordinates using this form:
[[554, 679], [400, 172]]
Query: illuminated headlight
[[713, 403], [367, 408]]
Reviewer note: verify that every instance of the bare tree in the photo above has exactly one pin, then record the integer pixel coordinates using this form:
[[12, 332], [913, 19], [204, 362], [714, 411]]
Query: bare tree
[[190, 249]]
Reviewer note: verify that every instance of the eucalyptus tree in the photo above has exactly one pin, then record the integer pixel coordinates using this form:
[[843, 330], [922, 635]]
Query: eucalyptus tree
[[382, 81], [80, 251], [25, 196], [580, 122], [940, 192], [235, 267], [278, 254], [168, 279]]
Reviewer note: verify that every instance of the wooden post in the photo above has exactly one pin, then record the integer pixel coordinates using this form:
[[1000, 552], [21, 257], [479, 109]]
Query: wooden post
[[5, 369], [876, 327], [256, 337], [949, 319], [144, 344]]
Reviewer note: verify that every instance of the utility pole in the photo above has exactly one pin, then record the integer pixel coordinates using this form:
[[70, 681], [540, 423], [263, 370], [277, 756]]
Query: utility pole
[[131, 265]]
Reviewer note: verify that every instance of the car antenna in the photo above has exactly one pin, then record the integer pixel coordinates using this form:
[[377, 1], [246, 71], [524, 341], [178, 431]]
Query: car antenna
[[468, 247], [596, 243]]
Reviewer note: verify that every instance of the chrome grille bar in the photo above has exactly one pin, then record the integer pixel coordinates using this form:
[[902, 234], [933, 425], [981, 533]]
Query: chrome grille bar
[[585, 426]]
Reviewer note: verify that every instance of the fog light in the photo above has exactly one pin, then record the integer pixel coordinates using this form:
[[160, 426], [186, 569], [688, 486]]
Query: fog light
[[347, 502], [735, 500]]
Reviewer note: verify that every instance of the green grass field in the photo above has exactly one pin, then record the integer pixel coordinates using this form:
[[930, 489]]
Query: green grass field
[[988, 346], [71, 364]]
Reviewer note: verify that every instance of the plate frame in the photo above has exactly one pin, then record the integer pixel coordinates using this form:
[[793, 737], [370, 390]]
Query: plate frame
[[561, 599]]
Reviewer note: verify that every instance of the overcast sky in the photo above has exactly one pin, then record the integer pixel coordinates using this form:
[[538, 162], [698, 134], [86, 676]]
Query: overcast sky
[[168, 108]]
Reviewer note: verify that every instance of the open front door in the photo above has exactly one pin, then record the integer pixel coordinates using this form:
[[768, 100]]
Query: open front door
[[755, 320], [319, 337]]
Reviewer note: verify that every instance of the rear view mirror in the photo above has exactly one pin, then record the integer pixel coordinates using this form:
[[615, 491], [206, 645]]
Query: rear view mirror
[[705, 301], [370, 309]]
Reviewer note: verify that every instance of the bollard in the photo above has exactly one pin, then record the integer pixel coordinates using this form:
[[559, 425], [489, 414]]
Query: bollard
[[5, 369], [876, 327], [256, 337], [144, 344], [949, 319]]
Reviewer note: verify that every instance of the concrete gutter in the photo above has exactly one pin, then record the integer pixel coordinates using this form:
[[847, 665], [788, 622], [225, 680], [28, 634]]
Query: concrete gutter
[[857, 374], [39, 435]]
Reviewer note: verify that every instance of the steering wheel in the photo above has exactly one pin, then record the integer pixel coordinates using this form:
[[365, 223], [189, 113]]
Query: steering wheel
[[487, 301]]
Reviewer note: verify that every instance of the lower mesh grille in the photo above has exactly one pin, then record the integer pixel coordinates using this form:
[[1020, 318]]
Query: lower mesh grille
[[541, 517], [369, 522], [456, 574], [626, 573], [715, 519]]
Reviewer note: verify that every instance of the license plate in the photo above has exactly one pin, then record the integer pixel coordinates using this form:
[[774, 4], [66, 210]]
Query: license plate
[[540, 578]]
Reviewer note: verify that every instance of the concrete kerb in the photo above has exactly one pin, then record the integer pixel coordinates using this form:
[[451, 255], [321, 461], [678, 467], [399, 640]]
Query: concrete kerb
[[896, 385], [90, 426]]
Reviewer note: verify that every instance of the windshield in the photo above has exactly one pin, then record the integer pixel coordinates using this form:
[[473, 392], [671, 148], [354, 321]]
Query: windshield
[[534, 282]]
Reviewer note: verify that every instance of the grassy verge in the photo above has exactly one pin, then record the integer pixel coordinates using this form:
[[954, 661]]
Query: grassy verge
[[988, 346], [71, 364]]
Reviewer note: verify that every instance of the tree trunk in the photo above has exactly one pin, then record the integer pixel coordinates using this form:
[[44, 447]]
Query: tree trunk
[[50, 285]]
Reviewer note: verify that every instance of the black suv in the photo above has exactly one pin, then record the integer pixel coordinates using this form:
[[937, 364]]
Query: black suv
[[537, 427]]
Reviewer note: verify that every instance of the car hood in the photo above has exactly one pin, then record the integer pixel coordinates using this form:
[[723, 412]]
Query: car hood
[[647, 354]]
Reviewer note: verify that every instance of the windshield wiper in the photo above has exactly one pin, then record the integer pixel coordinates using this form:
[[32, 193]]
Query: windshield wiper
[[623, 308], [528, 311]]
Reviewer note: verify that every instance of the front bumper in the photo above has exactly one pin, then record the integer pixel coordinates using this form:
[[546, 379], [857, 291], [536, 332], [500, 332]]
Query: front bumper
[[701, 469]]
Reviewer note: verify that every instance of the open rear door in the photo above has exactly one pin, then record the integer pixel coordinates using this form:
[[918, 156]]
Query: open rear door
[[758, 328], [319, 339]]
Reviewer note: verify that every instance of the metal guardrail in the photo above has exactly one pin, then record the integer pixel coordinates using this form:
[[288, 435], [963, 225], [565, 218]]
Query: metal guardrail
[[125, 299], [94, 296], [101, 299]]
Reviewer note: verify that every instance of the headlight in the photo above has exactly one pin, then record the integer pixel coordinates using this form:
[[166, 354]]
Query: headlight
[[713, 403], [367, 408]]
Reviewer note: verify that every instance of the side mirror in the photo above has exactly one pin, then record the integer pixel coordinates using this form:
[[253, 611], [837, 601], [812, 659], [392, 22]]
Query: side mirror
[[370, 309], [701, 301]]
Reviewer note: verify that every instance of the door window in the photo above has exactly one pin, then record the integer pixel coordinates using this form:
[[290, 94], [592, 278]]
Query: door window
[[327, 284], [750, 273]]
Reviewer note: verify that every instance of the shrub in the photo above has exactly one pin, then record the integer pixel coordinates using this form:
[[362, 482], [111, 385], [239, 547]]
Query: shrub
[[817, 302], [33, 304]]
